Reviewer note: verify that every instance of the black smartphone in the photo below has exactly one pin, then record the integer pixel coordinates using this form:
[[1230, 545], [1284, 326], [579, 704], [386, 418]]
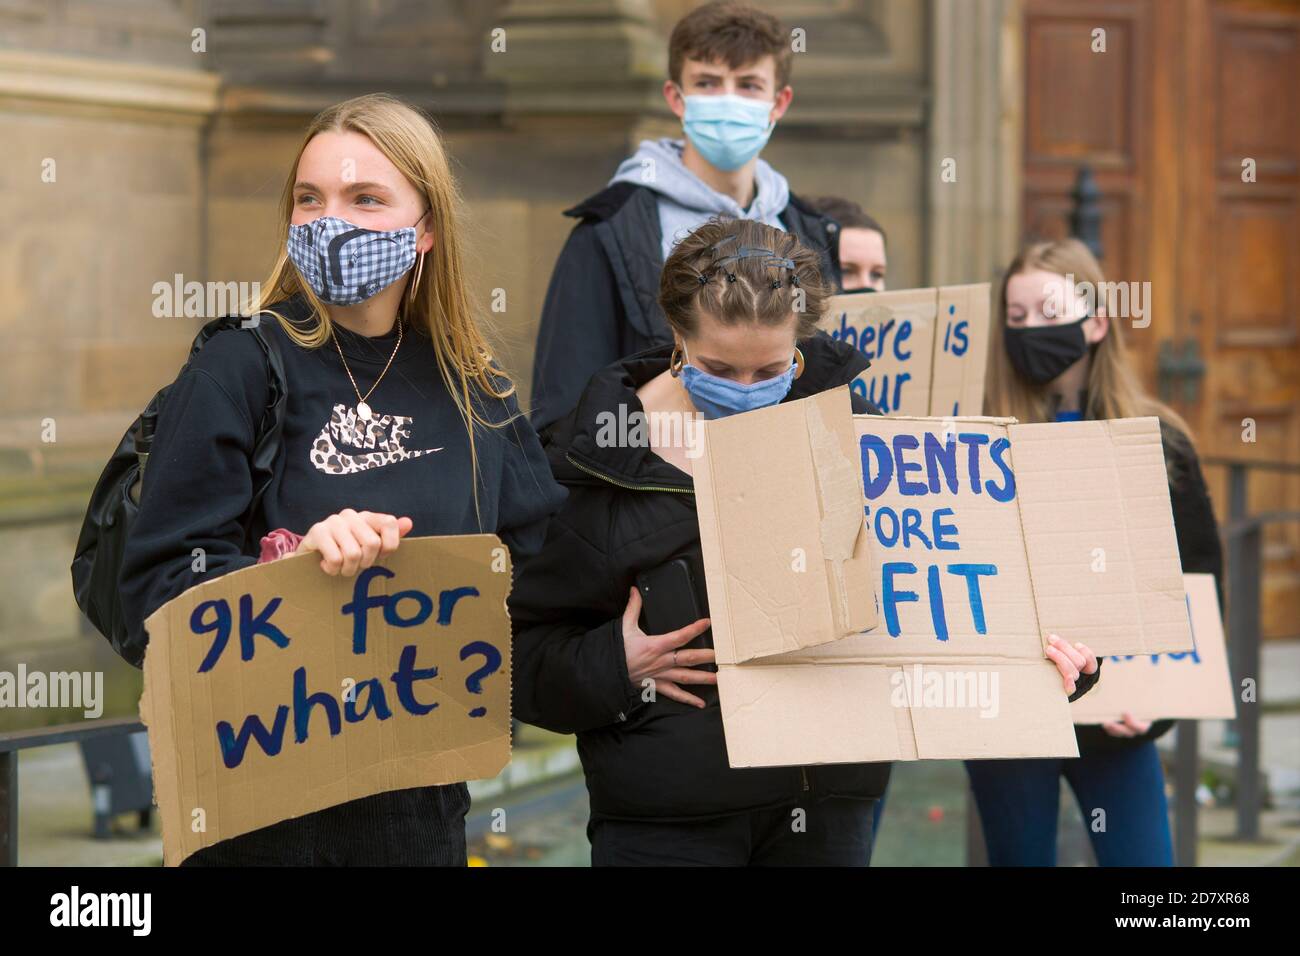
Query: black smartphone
[[673, 596]]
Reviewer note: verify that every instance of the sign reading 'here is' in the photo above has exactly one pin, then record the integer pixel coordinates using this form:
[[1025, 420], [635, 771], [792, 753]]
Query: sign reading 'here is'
[[928, 347]]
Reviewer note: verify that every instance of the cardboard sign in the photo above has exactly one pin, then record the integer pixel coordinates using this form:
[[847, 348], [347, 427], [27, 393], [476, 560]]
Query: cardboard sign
[[1191, 684], [786, 552], [278, 690], [989, 535], [928, 347]]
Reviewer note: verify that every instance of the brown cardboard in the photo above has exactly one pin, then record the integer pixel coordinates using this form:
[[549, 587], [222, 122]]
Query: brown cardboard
[[836, 711], [786, 554], [928, 347], [1017, 561], [182, 706], [1193, 684]]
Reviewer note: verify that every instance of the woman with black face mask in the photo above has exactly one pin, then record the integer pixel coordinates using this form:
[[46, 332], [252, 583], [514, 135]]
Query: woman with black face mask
[[1064, 359]]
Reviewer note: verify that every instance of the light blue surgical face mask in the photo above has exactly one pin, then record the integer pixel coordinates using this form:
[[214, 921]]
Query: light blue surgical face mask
[[726, 129], [718, 397]]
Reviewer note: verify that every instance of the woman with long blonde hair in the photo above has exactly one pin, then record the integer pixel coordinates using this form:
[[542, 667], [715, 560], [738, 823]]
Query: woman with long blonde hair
[[1058, 356], [396, 421]]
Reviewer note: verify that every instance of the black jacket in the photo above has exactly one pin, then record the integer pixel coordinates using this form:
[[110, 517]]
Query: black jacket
[[629, 511], [602, 303], [198, 483], [1199, 548]]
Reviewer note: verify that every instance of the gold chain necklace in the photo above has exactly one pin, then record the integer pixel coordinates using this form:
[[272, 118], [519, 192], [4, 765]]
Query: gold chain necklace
[[363, 409]]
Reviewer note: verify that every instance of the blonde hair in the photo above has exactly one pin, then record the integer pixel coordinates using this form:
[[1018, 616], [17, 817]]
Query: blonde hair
[[441, 302], [1114, 390]]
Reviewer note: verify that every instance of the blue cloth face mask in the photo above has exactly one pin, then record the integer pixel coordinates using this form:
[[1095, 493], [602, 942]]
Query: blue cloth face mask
[[718, 397], [726, 129], [346, 264]]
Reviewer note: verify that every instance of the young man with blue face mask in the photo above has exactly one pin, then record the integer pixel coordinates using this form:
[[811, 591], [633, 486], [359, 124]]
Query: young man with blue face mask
[[729, 68]]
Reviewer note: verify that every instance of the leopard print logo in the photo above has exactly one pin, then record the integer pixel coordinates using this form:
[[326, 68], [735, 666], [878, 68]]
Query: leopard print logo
[[378, 442]]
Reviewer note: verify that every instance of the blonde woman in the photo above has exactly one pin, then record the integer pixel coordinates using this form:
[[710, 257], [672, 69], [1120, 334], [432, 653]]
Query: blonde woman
[[397, 422], [1062, 358]]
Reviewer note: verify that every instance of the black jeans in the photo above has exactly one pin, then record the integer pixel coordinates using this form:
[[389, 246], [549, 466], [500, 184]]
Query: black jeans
[[831, 831], [424, 826]]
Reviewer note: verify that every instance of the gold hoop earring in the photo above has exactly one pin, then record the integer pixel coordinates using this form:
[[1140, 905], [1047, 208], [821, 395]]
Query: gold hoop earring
[[798, 363], [675, 362], [415, 282]]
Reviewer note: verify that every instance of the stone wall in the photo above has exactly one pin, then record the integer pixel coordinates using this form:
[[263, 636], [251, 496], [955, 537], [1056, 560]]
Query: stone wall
[[171, 124]]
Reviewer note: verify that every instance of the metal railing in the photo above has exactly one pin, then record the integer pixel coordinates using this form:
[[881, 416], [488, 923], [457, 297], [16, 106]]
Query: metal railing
[[12, 742], [1243, 534]]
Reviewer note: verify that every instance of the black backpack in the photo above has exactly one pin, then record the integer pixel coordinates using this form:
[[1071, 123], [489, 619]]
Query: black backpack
[[114, 503]]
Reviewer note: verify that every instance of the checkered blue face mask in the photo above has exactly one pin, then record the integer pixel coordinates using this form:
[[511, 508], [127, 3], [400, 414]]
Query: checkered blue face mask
[[345, 264]]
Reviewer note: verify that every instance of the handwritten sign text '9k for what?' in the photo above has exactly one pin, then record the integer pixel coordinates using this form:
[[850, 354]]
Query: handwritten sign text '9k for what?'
[[278, 690]]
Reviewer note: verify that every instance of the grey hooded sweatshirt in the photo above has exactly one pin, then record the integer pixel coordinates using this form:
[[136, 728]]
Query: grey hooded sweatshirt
[[686, 201]]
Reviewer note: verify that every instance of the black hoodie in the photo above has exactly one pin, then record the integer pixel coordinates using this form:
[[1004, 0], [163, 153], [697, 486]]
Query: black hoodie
[[412, 459], [629, 511]]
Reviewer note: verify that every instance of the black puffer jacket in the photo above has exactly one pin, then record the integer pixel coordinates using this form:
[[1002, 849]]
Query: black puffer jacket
[[629, 511]]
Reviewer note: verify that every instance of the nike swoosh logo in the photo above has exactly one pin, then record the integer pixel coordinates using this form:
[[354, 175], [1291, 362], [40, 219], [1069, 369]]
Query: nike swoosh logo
[[330, 456]]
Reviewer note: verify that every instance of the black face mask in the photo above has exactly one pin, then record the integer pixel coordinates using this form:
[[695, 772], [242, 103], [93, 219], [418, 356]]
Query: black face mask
[[1043, 352]]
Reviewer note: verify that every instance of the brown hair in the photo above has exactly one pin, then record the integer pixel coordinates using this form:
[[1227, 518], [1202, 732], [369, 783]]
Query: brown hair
[[441, 303], [847, 213], [1113, 387], [702, 275], [732, 33]]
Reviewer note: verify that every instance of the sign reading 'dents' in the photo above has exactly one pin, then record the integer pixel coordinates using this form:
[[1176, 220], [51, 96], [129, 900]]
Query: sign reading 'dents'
[[990, 534], [987, 536], [927, 347], [278, 690]]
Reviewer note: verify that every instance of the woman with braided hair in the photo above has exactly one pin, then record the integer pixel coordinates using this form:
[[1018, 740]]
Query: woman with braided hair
[[743, 300]]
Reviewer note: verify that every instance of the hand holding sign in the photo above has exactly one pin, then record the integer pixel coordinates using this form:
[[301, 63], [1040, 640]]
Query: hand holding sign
[[352, 540], [1128, 726], [1071, 661]]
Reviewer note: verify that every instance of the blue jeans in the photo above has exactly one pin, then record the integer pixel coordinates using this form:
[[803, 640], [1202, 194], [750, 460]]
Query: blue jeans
[[1019, 804]]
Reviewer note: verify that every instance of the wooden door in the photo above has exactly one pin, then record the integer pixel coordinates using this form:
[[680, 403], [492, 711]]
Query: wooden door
[[1186, 92], [1241, 261]]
